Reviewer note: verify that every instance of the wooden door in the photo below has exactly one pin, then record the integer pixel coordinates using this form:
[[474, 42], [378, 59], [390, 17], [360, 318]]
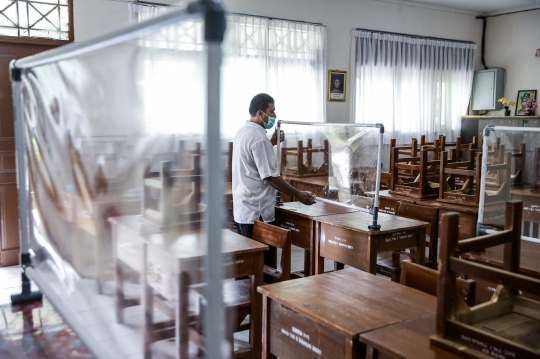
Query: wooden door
[[9, 215]]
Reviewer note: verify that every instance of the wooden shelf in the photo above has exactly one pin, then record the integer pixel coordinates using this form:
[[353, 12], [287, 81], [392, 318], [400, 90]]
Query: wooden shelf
[[503, 117]]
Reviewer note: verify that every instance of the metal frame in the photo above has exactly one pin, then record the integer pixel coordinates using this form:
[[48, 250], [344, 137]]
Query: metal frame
[[480, 230], [380, 126], [214, 17]]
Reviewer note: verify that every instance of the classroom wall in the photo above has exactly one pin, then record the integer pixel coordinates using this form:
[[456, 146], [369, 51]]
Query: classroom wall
[[511, 42], [340, 17]]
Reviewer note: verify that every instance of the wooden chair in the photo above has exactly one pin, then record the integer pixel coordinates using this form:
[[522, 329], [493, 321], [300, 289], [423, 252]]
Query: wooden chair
[[305, 168], [238, 293], [425, 280], [507, 325], [389, 263], [517, 177], [418, 181]]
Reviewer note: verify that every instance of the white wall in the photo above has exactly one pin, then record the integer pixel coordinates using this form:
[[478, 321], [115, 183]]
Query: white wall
[[340, 17], [511, 42]]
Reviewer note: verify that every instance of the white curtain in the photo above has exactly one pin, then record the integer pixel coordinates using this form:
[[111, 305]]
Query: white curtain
[[413, 86], [282, 58]]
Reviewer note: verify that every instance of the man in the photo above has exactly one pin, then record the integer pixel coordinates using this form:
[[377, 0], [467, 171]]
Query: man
[[255, 177]]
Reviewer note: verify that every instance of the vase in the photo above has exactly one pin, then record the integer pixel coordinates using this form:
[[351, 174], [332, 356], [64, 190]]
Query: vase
[[507, 112], [529, 113]]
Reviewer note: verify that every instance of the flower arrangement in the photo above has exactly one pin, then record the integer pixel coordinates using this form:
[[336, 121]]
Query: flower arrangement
[[537, 53], [530, 106], [506, 103]]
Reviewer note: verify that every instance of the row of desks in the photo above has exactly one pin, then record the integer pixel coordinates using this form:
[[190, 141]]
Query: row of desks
[[335, 315], [340, 233]]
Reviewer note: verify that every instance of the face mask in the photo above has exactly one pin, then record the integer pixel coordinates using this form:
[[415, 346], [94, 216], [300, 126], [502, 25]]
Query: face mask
[[271, 121]]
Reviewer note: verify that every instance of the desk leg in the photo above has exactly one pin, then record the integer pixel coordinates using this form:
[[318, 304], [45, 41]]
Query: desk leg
[[118, 280], [266, 330], [372, 353], [421, 248], [307, 262], [371, 260], [319, 261], [255, 332], [434, 251], [147, 298], [182, 319]]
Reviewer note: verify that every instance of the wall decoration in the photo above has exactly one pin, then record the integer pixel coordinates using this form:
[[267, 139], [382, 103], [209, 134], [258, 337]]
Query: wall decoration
[[337, 85], [524, 96]]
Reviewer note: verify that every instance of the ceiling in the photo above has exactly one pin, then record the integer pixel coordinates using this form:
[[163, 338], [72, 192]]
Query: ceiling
[[476, 7]]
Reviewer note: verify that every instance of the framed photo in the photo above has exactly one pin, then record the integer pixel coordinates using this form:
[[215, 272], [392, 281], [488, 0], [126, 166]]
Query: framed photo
[[524, 95], [337, 85]]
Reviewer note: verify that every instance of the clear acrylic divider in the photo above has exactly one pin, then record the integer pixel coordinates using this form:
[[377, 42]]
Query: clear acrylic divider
[[123, 160], [510, 171], [339, 162]]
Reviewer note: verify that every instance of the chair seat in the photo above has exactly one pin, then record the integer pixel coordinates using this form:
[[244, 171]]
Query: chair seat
[[389, 263]]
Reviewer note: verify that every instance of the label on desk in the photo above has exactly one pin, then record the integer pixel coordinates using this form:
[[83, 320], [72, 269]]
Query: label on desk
[[398, 236], [290, 226], [293, 336], [493, 348], [344, 245], [458, 199]]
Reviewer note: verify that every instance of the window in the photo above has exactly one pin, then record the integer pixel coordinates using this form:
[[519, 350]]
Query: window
[[43, 19], [414, 86], [282, 58]]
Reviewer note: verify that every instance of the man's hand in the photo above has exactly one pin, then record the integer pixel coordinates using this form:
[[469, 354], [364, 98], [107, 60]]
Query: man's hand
[[306, 197], [273, 140]]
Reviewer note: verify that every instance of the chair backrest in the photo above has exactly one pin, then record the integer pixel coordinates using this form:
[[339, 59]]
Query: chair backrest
[[276, 237], [424, 214], [420, 213], [425, 280]]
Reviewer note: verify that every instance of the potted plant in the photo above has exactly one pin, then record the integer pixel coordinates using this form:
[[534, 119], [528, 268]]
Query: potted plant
[[507, 105], [530, 107]]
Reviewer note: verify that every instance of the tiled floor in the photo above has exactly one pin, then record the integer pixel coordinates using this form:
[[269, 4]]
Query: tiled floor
[[95, 311]]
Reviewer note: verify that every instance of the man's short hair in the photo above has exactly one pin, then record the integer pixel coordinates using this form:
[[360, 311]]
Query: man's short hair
[[260, 102]]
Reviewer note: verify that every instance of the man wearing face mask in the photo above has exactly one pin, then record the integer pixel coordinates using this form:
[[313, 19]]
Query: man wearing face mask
[[255, 177]]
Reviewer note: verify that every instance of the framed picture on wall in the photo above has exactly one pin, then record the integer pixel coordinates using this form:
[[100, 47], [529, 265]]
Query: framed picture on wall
[[522, 98], [336, 85]]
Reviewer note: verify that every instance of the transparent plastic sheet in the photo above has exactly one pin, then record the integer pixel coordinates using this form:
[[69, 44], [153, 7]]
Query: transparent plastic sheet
[[336, 162], [511, 157], [115, 151]]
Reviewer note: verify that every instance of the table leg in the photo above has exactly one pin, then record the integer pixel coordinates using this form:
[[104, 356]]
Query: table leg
[[182, 316], [255, 331], [434, 251], [118, 279], [372, 353], [307, 262], [266, 329], [319, 261], [371, 260], [421, 248], [147, 298]]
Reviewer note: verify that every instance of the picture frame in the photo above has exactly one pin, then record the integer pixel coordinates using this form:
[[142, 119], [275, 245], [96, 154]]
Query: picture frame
[[520, 110], [337, 78]]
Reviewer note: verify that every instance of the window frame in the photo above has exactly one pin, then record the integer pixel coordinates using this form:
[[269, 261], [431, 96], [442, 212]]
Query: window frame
[[43, 40]]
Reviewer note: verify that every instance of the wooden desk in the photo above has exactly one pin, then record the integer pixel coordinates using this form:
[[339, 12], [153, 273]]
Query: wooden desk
[[529, 265], [345, 238], [405, 340], [323, 316], [531, 210], [388, 201], [160, 257], [299, 218]]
